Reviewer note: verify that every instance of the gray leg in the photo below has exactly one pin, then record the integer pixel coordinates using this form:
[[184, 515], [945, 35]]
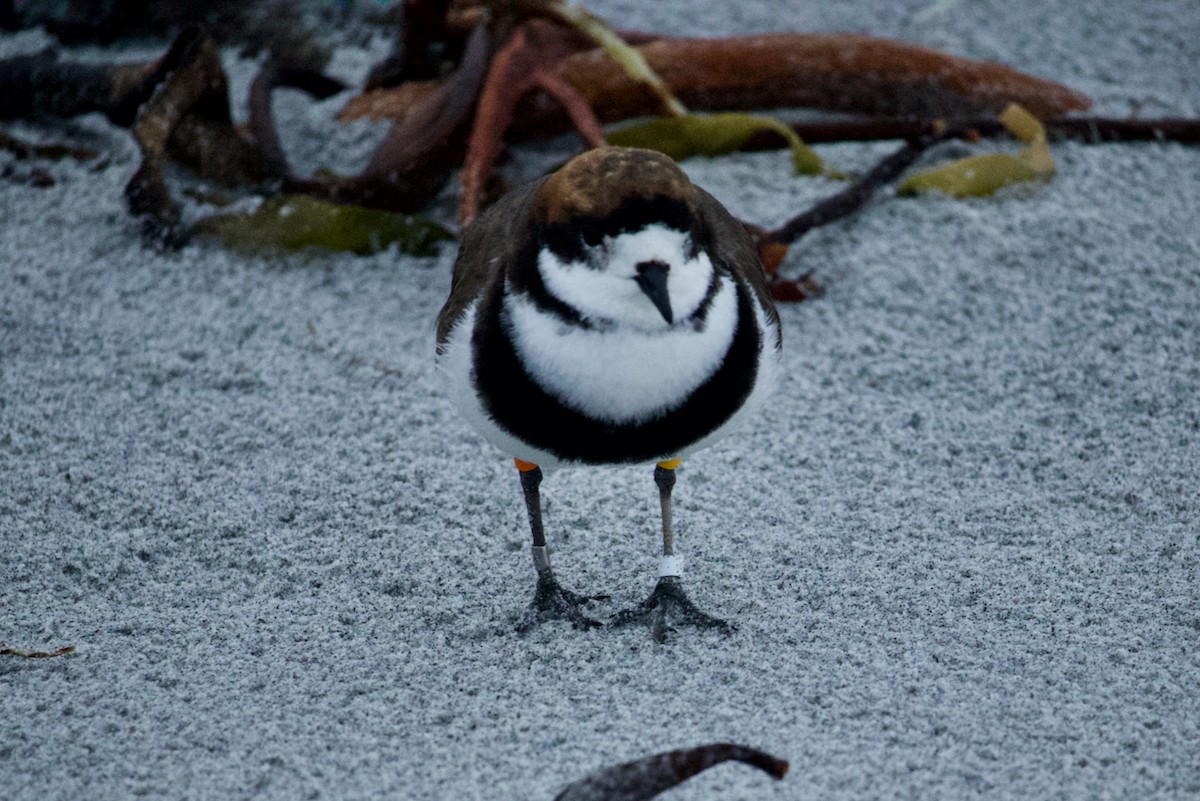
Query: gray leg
[[550, 600], [665, 480], [668, 606]]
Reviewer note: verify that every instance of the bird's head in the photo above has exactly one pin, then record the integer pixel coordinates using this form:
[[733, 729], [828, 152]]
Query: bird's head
[[619, 239]]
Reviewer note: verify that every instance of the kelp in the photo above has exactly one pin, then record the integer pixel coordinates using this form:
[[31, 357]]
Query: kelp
[[296, 222], [983, 175], [645, 778], [629, 58], [714, 135], [19, 652]]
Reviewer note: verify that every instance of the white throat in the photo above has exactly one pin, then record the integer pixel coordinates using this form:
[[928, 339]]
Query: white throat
[[622, 373]]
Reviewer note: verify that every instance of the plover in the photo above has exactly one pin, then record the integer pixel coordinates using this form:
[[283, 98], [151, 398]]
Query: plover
[[610, 313]]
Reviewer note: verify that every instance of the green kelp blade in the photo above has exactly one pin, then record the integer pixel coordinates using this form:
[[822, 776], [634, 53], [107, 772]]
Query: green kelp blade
[[980, 176], [973, 176], [1029, 129], [294, 222], [713, 135]]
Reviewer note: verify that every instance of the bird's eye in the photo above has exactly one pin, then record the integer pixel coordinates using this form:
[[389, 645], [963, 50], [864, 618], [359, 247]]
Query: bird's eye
[[592, 236]]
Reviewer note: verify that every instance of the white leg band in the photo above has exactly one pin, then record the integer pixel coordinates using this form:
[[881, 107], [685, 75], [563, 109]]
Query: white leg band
[[541, 557], [670, 566]]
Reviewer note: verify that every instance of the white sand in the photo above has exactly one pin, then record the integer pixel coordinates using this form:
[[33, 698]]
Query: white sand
[[961, 546]]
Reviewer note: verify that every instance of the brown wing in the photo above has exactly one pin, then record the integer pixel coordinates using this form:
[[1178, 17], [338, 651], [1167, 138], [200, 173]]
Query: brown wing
[[487, 246], [735, 247]]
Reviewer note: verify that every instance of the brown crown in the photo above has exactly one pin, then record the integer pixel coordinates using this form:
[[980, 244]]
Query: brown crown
[[594, 183]]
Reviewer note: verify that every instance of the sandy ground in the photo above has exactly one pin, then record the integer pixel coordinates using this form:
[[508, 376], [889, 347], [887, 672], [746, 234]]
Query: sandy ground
[[961, 545]]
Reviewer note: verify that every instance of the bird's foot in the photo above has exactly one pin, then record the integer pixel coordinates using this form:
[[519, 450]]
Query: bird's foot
[[667, 607], [552, 602]]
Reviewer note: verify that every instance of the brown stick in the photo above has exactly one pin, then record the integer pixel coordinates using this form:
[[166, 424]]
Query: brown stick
[[836, 72], [533, 47], [773, 245], [262, 118], [855, 196], [581, 114], [66, 649], [147, 193], [1093, 130], [645, 778], [839, 72], [431, 124], [414, 160]]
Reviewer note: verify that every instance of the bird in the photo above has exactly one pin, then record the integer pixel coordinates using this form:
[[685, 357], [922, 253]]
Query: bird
[[611, 312]]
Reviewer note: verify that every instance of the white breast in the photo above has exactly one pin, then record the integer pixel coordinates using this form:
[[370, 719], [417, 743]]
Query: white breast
[[620, 375]]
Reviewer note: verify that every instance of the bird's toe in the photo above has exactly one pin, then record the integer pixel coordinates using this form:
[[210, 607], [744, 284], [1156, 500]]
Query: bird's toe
[[551, 601], [668, 607]]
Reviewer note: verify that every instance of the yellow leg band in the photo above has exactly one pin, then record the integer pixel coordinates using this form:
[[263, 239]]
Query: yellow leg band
[[671, 464], [525, 467]]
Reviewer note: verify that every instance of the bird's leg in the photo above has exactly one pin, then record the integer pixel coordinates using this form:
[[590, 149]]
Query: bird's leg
[[668, 606], [550, 600]]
